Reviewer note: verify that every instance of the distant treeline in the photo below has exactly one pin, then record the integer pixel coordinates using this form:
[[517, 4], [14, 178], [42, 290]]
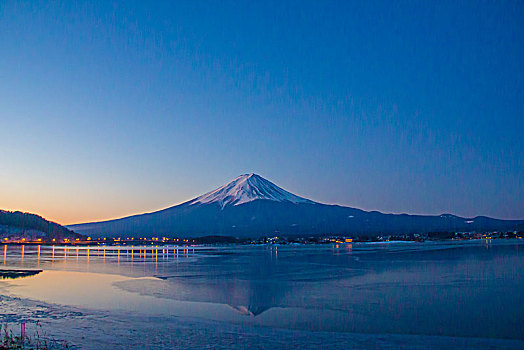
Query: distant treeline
[[30, 222]]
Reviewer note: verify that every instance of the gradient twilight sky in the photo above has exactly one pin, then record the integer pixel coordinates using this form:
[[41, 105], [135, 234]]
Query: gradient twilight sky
[[114, 108]]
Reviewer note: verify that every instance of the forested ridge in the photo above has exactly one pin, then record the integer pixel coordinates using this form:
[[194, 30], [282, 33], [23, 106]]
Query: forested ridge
[[33, 222]]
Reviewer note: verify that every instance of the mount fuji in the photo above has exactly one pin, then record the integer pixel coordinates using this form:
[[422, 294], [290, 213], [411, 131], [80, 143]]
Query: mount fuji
[[247, 188], [251, 206]]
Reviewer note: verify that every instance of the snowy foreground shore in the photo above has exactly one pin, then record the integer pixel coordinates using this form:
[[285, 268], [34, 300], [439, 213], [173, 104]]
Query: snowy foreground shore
[[87, 329]]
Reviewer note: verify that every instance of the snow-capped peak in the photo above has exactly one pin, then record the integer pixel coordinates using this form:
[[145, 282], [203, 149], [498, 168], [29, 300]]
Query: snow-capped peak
[[247, 188]]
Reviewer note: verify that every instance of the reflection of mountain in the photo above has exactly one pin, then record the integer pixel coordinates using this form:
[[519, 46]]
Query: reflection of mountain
[[250, 284], [13, 274], [258, 297], [245, 297], [249, 311]]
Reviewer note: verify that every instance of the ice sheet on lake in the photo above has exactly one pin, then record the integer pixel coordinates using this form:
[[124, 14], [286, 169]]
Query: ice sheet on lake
[[90, 330]]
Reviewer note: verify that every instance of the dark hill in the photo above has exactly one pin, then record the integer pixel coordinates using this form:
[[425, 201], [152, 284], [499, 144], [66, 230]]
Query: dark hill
[[18, 224]]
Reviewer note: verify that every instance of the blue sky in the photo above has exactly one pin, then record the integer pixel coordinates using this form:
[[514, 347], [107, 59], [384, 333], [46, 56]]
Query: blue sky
[[114, 108]]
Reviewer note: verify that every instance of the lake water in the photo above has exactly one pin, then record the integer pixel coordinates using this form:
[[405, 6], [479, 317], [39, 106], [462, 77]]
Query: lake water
[[412, 295]]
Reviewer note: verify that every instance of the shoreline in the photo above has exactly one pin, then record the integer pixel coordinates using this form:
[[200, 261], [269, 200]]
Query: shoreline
[[133, 244], [95, 329]]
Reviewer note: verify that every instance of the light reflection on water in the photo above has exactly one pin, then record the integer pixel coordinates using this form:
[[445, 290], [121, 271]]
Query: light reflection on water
[[79, 258], [451, 288]]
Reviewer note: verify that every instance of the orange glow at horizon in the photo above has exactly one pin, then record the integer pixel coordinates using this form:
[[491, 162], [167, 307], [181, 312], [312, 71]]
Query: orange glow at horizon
[[72, 204], [68, 217]]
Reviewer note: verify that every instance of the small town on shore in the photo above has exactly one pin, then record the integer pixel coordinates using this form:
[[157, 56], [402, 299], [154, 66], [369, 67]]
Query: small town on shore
[[282, 240]]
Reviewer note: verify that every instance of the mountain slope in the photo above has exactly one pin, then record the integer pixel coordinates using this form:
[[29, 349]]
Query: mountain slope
[[250, 206], [26, 225]]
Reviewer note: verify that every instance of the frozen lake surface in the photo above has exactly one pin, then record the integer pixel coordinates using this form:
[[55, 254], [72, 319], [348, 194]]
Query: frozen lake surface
[[397, 295]]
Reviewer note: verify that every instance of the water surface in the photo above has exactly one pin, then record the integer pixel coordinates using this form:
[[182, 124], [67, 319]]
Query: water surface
[[458, 289]]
